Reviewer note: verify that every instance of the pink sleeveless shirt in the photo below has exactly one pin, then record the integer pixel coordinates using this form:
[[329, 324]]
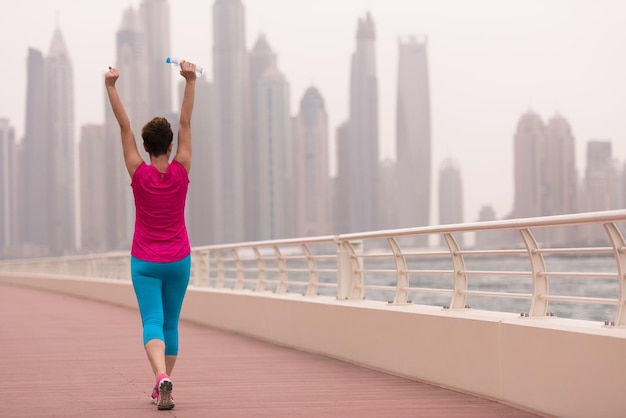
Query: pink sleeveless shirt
[[160, 231]]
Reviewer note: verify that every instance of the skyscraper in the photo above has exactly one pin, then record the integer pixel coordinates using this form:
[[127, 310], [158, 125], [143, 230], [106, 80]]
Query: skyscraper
[[450, 197], [361, 161], [59, 82], [8, 212], [546, 181], [312, 186], [34, 193], [341, 187], [275, 156], [94, 179], [232, 131], [389, 196], [560, 195], [413, 142], [155, 20], [529, 161], [601, 189], [262, 58], [561, 181]]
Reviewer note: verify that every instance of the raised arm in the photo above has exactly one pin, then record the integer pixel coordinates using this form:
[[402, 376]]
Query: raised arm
[[132, 158], [183, 152]]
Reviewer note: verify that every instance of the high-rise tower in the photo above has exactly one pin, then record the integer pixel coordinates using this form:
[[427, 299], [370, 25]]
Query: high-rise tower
[[155, 20], [450, 197], [529, 157], [34, 193], [413, 141], [262, 58], [94, 181], [59, 82], [561, 181], [275, 143], [312, 187], [361, 161], [601, 189], [8, 212], [231, 88]]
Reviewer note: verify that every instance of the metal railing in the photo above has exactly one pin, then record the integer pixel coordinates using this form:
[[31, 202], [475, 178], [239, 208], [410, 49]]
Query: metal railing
[[513, 265]]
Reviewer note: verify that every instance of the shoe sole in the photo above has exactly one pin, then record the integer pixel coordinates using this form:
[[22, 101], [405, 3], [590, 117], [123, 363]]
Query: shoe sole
[[165, 391]]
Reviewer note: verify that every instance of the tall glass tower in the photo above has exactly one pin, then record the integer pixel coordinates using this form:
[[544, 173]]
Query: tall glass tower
[[59, 81], [529, 174], [8, 214], [361, 160], [155, 20], [312, 184], [413, 139], [274, 123], [232, 131], [262, 58], [34, 193], [450, 197], [561, 180]]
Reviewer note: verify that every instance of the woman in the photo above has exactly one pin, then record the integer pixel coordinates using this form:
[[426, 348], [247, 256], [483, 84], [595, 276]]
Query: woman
[[161, 253]]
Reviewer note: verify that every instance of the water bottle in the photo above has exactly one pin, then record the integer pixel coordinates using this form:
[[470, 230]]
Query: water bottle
[[176, 63]]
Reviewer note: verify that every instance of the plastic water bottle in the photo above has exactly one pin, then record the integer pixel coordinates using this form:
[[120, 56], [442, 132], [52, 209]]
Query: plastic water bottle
[[176, 63]]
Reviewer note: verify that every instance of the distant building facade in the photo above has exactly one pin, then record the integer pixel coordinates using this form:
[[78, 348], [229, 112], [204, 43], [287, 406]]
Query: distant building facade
[[8, 198], [312, 193], [47, 190], [94, 179], [275, 144], [413, 135], [359, 175], [601, 189], [232, 129], [262, 59], [450, 197]]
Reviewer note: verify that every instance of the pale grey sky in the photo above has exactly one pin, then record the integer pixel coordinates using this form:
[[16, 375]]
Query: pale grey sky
[[489, 61]]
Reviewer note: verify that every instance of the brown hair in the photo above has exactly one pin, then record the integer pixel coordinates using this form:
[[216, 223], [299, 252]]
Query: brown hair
[[157, 136]]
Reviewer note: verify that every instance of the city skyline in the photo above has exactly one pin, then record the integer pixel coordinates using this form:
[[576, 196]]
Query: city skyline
[[555, 86]]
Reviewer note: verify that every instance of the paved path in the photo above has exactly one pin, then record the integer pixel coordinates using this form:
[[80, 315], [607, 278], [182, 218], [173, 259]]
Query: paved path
[[63, 356]]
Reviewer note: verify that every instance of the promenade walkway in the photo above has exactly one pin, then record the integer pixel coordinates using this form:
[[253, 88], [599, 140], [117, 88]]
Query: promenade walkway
[[62, 356]]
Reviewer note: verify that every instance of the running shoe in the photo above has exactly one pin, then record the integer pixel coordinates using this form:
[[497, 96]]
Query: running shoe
[[154, 398], [164, 398]]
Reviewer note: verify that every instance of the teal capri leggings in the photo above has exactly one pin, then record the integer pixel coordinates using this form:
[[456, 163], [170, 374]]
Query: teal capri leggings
[[160, 290]]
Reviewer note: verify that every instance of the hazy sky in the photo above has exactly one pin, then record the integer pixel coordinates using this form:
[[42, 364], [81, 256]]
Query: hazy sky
[[490, 61]]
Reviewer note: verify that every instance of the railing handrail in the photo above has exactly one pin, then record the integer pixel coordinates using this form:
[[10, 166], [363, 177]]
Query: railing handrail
[[304, 264]]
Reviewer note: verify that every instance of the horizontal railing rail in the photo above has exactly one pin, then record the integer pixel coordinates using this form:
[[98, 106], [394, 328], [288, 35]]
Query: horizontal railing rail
[[520, 269]]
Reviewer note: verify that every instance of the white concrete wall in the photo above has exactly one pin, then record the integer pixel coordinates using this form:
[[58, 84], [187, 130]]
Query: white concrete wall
[[557, 367]]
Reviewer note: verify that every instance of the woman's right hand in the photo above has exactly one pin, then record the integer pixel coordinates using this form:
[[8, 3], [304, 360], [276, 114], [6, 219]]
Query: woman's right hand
[[110, 77]]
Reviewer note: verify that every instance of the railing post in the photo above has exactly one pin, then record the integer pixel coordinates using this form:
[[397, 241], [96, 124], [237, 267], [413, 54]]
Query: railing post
[[402, 282], [311, 289], [240, 274], [262, 280], [200, 268], [459, 297], [349, 270], [539, 304], [619, 248], [282, 271], [221, 272]]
